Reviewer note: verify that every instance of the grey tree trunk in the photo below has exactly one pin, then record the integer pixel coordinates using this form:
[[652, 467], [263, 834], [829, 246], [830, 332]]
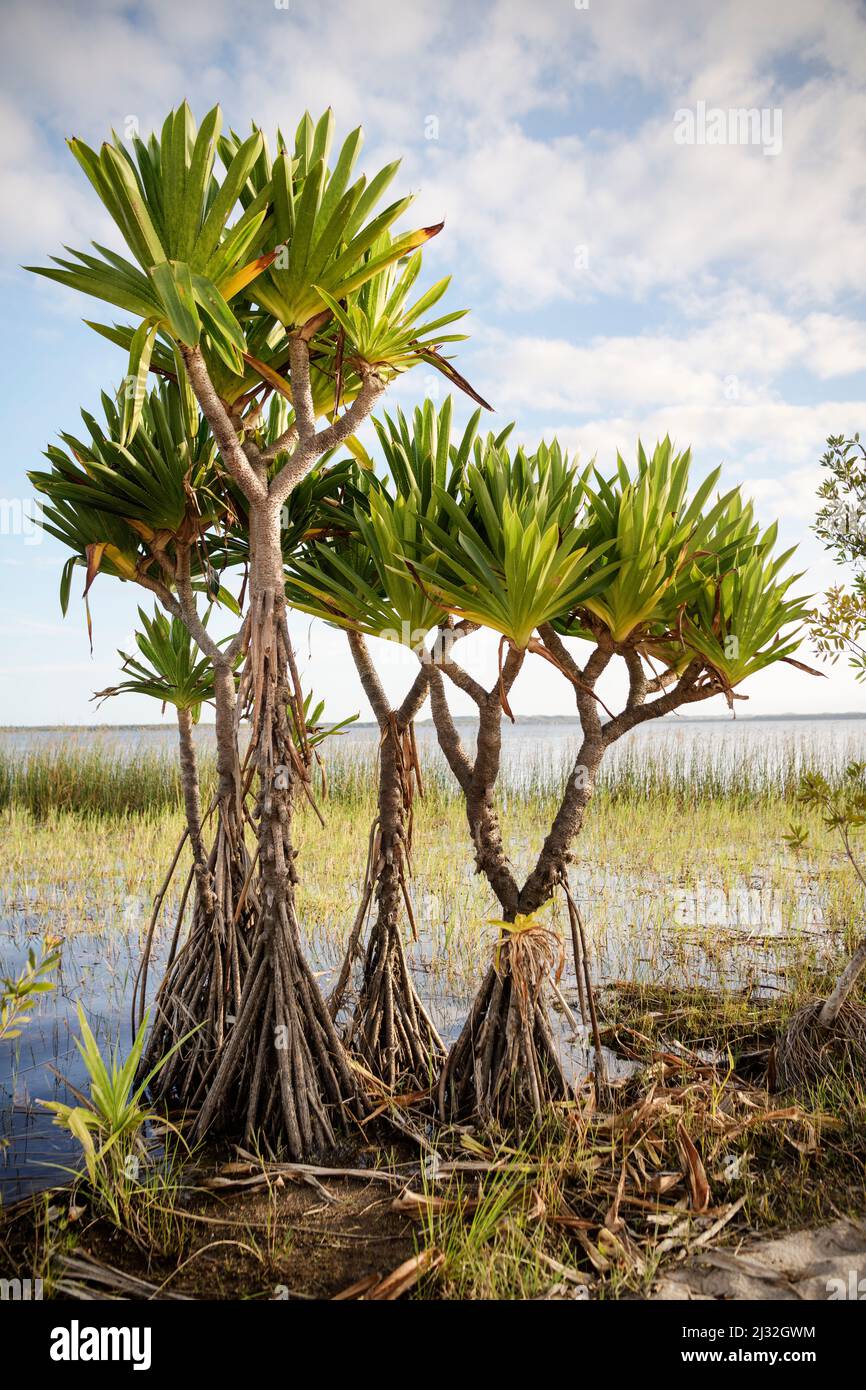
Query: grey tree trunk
[[390, 1026], [192, 803], [844, 985], [241, 979], [203, 984], [505, 1062], [283, 1074]]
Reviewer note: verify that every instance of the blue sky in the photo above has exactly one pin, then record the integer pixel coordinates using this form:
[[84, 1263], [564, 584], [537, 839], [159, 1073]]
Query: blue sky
[[620, 283]]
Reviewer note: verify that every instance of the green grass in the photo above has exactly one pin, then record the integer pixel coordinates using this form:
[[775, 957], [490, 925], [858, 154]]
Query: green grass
[[676, 893], [683, 772], [91, 782], [705, 931]]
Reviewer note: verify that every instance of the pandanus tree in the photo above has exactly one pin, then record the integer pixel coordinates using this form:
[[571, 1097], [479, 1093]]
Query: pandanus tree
[[509, 558], [358, 577], [146, 509], [684, 590], [233, 281]]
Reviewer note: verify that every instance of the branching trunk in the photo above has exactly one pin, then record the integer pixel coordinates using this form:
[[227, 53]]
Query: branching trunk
[[240, 984], [512, 1059], [477, 780], [556, 853], [551, 867], [504, 1065]]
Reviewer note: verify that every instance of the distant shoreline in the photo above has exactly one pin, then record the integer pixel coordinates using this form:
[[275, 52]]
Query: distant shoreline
[[550, 719]]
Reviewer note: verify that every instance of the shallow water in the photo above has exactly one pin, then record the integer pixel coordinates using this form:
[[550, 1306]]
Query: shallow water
[[99, 965], [743, 935]]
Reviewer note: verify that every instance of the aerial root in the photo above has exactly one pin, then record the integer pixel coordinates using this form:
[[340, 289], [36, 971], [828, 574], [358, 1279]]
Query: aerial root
[[390, 1028], [505, 1065]]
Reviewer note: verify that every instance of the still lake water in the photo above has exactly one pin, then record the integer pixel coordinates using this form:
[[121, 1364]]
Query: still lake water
[[529, 731], [534, 743], [98, 966]]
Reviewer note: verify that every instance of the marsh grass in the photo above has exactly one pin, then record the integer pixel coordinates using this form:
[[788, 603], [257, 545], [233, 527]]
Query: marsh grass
[[90, 782], [115, 781], [706, 932], [705, 894]]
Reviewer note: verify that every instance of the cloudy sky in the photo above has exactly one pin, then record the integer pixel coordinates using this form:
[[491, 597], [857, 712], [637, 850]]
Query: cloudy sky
[[629, 273]]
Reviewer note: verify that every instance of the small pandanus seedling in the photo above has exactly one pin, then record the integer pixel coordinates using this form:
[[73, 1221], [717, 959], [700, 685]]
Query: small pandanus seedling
[[111, 1124]]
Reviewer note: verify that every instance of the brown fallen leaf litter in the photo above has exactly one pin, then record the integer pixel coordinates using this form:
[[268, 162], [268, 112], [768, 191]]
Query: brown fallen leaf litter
[[617, 1194]]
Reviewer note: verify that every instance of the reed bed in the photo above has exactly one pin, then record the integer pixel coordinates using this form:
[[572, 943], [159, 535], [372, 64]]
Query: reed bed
[[91, 782], [681, 870], [685, 882], [118, 781]]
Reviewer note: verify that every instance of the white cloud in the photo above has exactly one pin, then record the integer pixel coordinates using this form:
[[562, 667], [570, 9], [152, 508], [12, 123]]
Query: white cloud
[[728, 359], [767, 440], [673, 45], [555, 134], [654, 215], [792, 496], [651, 213]]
